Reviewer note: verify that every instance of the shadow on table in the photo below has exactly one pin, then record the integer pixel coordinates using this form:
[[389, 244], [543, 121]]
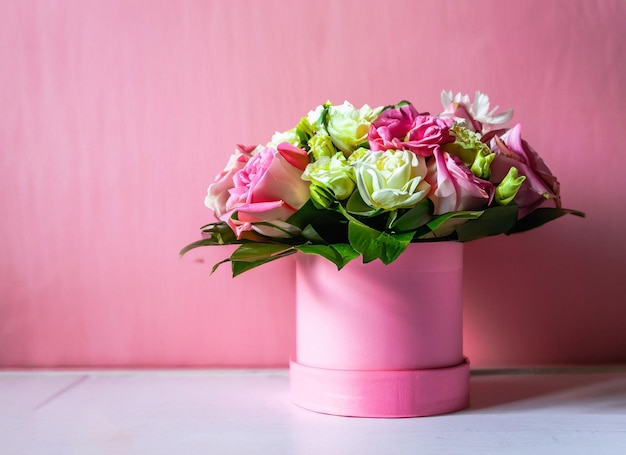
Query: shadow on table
[[583, 392]]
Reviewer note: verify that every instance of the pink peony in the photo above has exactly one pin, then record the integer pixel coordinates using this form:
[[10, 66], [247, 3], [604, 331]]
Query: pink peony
[[269, 188], [404, 128], [454, 187], [512, 151]]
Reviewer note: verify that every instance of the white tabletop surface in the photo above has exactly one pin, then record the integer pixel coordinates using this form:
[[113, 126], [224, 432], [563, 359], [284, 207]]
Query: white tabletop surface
[[248, 412]]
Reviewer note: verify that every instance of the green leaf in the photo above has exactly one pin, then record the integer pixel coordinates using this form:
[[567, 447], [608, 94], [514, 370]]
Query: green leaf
[[357, 206], [220, 234], [250, 252], [340, 254], [393, 245], [373, 244], [541, 216], [319, 225], [312, 235], [362, 238], [346, 251], [239, 267], [304, 215], [196, 244], [288, 232], [216, 266], [251, 255], [215, 234], [414, 217], [445, 224], [495, 220], [324, 114]]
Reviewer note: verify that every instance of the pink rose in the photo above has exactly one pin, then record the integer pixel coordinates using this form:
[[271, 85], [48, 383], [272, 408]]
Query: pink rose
[[217, 194], [404, 128], [269, 188], [454, 187], [512, 151]]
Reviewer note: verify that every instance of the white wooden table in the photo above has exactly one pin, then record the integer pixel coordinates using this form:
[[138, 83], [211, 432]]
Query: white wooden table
[[248, 412]]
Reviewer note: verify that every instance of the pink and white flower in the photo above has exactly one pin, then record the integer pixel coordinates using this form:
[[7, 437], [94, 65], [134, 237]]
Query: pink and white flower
[[217, 193], [512, 151], [477, 115], [454, 187], [268, 189]]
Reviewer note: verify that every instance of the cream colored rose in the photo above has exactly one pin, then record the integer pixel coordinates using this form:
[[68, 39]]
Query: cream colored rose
[[322, 145], [391, 180], [348, 126], [333, 174], [284, 136]]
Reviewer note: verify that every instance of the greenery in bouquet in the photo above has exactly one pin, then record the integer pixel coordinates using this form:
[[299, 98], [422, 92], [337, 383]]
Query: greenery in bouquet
[[349, 182]]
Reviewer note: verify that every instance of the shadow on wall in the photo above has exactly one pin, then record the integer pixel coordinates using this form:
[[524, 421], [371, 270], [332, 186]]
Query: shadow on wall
[[552, 296]]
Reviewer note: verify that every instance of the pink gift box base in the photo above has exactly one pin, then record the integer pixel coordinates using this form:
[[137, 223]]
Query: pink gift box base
[[381, 341], [354, 393]]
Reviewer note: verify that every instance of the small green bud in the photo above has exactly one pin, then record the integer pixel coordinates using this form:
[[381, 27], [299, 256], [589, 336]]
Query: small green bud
[[304, 129], [332, 174], [321, 145], [321, 197], [358, 154], [509, 186], [481, 165]]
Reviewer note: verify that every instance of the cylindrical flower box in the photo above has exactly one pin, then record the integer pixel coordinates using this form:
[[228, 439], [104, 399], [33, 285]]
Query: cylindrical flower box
[[377, 340]]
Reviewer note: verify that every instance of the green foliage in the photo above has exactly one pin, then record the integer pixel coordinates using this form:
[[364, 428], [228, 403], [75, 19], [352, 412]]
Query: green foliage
[[364, 236], [414, 218], [251, 255], [541, 216], [340, 236], [340, 254]]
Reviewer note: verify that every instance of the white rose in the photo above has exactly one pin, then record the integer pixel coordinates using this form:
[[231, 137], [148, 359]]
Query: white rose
[[392, 179], [333, 174], [348, 126], [286, 136]]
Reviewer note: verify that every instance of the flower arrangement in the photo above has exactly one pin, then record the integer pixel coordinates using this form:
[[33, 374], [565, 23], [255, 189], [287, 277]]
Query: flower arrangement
[[349, 182]]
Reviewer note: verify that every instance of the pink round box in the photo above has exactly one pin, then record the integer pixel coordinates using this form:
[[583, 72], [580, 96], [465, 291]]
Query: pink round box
[[381, 341]]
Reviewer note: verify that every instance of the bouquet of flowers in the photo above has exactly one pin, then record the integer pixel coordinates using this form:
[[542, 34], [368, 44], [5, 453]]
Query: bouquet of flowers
[[349, 182]]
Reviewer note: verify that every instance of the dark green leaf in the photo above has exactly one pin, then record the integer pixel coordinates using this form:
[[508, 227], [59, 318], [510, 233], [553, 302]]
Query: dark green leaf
[[239, 267], [414, 217], [393, 245], [373, 244], [346, 252], [250, 252], [220, 233], [196, 244], [356, 205], [495, 220], [311, 234], [303, 138], [362, 238], [215, 267], [339, 254], [287, 236], [541, 216], [324, 114], [325, 251], [445, 224], [202, 242], [305, 215]]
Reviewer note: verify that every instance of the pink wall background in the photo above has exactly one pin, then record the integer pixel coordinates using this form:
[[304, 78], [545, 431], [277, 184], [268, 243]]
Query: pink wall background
[[116, 115]]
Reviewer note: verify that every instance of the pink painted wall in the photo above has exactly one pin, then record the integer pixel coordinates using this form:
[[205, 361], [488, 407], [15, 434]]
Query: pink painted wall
[[117, 114]]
